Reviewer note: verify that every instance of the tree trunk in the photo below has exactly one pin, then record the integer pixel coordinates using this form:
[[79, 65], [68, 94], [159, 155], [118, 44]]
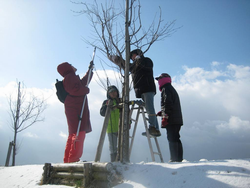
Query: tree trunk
[[14, 150], [16, 125], [125, 113]]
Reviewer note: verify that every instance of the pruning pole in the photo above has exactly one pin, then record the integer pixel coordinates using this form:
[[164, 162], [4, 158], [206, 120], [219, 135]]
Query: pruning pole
[[90, 71]]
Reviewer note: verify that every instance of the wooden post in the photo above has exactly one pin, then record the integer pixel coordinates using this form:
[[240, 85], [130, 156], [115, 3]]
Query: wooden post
[[8, 154], [87, 173], [47, 173], [103, 133]]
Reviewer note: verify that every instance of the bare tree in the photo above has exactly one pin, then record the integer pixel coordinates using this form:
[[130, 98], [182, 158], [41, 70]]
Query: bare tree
[[114, 39], [108, 24], [25, 111]]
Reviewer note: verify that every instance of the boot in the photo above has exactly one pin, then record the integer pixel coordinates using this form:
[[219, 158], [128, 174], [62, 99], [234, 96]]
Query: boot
[[113, 157], [152, 132], [180, 152], [176, 151]]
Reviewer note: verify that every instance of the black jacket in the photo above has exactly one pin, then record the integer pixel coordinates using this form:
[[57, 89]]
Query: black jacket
[[142, 75], [170, 104]]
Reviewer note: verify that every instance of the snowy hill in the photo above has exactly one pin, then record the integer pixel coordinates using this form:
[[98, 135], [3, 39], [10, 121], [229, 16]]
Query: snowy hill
[[203, 173]]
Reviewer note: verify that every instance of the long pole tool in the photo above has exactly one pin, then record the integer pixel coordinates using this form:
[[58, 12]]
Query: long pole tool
[[90, 71]]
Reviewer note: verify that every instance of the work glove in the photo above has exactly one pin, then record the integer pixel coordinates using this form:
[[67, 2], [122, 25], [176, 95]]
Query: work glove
[[91, 65], [164, 122], [137, 57], [159, 113], [117, 60]]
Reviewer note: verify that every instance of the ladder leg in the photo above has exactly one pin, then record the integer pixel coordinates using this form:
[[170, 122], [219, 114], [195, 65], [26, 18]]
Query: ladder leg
[[119, 138], [103, 133], [134, 130], [147, 133], [159, 150]]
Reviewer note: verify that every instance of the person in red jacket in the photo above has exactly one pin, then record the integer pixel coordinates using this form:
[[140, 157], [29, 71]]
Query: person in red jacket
[[77, 89]]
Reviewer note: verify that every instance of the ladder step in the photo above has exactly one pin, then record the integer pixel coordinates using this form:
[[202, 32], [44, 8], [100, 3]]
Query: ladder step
[[150, 136], [136, 108], [156, 153]]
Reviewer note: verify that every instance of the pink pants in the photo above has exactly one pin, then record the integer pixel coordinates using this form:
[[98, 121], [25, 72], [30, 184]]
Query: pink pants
[[73, 150]]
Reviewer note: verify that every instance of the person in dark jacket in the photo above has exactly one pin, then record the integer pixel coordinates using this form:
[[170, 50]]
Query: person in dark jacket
[[113, 124], [171, 116], [144, 85], [77, 89]]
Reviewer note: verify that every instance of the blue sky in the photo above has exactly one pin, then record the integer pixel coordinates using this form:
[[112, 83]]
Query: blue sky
[[208, 59]]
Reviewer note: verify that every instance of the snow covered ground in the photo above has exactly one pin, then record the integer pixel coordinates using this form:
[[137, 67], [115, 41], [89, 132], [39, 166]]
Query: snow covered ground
[[206, 174]]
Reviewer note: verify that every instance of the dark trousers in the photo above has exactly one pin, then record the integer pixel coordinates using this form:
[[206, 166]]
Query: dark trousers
[[175, 145], [173, 133]]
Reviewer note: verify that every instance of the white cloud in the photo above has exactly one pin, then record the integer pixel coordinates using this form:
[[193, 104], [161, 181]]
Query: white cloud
[[231, 94], [235, 124], [9, 88], [215, 63], [63, 135], [233, 128], [30, 135], [197, 74], [239, 72]]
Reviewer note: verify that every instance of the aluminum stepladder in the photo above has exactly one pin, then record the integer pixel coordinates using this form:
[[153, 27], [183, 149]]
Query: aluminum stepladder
[[140, 107]]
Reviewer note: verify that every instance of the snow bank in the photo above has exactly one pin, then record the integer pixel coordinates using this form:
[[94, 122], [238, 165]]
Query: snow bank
[[206, 174]]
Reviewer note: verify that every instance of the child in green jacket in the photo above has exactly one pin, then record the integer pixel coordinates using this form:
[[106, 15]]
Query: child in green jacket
[[113, 125]]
